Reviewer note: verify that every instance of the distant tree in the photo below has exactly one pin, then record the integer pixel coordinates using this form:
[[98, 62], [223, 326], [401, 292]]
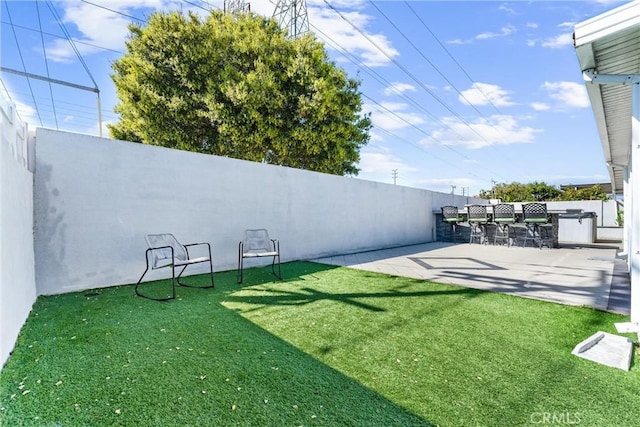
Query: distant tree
[[234, 85], [514, 192], [541, 191], [591, 193]]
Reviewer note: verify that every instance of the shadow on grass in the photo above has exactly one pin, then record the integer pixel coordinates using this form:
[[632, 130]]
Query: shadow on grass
[[225, 282], [107, 357], [309, 295], [304, 271]]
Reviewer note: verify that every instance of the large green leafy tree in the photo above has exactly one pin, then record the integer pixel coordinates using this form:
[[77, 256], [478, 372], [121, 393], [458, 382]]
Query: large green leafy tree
[[234, 85]]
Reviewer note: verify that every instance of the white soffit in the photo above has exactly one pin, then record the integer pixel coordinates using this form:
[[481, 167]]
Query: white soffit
[[610, 44], [607, 24]]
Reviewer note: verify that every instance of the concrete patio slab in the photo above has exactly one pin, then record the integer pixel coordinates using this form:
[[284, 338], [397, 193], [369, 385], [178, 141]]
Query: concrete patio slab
[[590, 275]]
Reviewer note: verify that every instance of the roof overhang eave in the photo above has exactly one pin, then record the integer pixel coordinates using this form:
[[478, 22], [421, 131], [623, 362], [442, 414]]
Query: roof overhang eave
[[585, 36]]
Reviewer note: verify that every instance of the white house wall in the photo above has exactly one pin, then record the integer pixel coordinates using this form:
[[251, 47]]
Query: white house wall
[[96, 199], [634, 193], [17, 281]]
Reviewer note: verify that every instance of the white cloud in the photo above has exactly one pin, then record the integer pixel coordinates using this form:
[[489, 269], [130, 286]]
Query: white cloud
[[485, 93], [398, 88], [382, 162], [354, 4], [540, 106], [508, 10], [27, 114], [497, 130], [568, 94], [392, 116], [504, 31], [458, 41], [101, 27], [532, 25], [558, 42], [330, 27], [374, 49], [444, 185], [569, 25]]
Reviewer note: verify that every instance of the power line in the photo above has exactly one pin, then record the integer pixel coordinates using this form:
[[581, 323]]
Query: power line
[[70, 40], [23, 64], [421, 148], [425, 133], [374, 74], [473, 82], [441, 75], [46, 65], [114, 11], [377, 76], [400, 66], [62, 37], [413, 77], [451, 84], [209, 9], [452, 57], [404, 69]]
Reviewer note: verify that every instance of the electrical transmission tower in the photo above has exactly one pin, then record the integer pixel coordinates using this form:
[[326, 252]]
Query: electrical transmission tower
[[292, 15], [236, 6]]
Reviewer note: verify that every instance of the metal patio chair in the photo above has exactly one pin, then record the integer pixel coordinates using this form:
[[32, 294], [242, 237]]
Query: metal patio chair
[[257, 244], [165, 251]]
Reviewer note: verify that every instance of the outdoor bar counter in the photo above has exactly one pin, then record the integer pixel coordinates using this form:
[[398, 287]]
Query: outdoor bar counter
[[556, 218]]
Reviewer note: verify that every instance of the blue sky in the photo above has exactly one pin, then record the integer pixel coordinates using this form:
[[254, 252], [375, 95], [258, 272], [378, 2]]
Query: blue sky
[[461, 93]]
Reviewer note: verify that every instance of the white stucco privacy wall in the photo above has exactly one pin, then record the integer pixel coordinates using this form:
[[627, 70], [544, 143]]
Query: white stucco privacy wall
[[17, 280], [95, 199]]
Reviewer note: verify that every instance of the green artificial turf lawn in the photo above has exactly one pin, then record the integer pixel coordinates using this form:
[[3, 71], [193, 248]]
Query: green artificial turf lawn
[[326, 346]]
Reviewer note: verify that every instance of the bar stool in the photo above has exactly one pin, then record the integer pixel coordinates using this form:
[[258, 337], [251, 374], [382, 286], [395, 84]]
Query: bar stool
[[451, 216], [478, 219], [504, 216], [534, 215]]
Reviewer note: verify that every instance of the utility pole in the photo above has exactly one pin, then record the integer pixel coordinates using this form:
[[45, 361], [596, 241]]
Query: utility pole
[[394, 175], [493, 188], [453, 188], [292, 16]]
